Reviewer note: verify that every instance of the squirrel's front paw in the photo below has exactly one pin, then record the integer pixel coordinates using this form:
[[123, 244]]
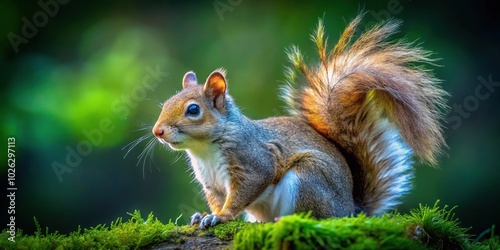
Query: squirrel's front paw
[[196, 218], [209, 220]]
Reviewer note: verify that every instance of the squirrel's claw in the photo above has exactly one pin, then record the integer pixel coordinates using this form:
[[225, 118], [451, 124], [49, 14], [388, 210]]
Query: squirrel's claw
[[205, 220], [196, 218], [209, 220]]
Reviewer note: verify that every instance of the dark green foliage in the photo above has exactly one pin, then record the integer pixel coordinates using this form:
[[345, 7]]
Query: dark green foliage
[[423, 228]]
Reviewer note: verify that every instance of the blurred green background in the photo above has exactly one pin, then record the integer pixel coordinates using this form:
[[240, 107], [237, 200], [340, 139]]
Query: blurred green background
[[86, 77]]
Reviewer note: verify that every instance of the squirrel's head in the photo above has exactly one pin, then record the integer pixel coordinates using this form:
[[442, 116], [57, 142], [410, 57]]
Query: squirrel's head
[[192, 116]]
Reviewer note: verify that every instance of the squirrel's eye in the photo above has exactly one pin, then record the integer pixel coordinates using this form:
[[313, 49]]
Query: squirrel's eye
[[193, 109]]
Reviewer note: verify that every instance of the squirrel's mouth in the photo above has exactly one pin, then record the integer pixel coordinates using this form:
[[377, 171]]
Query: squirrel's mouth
[[176, 145]]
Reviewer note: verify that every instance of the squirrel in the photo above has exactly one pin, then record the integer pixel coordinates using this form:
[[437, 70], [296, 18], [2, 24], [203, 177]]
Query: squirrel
[[356, 120]]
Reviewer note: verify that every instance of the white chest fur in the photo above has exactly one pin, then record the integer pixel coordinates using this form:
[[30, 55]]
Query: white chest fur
[[210, 167]]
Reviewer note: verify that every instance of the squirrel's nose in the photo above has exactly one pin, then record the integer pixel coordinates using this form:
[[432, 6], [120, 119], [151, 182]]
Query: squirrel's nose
[[158, 131]]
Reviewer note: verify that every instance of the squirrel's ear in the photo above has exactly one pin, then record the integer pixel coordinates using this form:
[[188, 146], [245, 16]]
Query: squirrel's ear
[[215, 88], [189, 80]]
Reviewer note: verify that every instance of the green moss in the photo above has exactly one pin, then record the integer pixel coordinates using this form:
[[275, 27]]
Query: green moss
[[134, 233], [227, 230], [302, 232], [423, 228], [491, 243], [436, 227]]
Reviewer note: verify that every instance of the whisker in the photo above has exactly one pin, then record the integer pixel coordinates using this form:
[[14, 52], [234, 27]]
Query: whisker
[[156, 100], [159, 103], [177, 158], [149, 146], [135, 142], [148, 152], [151, 156], [145, 127]]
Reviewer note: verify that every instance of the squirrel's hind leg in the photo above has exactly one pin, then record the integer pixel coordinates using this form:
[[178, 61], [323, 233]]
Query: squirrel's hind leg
[[276, 201], [323, 187]]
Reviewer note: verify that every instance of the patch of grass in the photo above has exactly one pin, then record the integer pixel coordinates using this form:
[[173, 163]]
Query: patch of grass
[[135, 233], [303, 232], [423, 228], [436, 227], [227, 230], [491, 243]]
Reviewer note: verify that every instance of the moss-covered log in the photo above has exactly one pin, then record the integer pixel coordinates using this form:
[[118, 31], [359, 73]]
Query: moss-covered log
[[423, 228]]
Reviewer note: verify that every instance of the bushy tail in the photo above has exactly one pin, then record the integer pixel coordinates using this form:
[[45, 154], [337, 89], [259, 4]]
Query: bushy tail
[[373, 99]]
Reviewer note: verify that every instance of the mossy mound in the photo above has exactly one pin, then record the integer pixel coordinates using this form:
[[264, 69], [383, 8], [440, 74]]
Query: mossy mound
[[423, 228]]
